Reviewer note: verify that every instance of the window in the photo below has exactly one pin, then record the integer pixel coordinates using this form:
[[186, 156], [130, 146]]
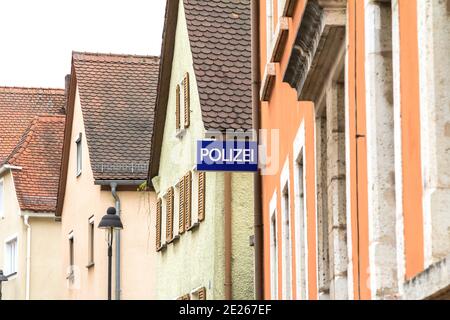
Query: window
[[177, 109], [181, 212], [280, 7], [273, 249], [169, 215], [201, 195], [187, 101], [11, 257], [71, 275], [286, 243], [91, 227], [274, 256], [189, 225], [183, 107], [158, 224], [199, 294], [270, 28], [2, 200], [300, 228], [79, 155]]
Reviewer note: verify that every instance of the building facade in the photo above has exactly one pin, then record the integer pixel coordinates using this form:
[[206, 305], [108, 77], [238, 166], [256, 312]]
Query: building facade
[[354, 95], [105, 160], [203, 219], [30, 157]]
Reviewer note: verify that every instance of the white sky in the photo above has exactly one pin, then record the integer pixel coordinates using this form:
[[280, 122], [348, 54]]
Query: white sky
[[38, 36]]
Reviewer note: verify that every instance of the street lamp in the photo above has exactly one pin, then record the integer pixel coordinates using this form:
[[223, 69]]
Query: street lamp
[[2, 279], [110, 222]]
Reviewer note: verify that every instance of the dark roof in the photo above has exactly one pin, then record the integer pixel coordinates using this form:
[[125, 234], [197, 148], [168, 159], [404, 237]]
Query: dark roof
[[38, 153], [117, 94], [220, 38], [18, 107]]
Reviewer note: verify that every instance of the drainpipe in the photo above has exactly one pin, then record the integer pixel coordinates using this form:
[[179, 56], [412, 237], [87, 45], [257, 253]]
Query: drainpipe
[[28, 258], [257, 198], [228, 242], [117, 236]]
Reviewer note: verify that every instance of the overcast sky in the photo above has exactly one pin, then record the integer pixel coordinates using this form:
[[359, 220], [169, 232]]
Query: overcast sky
[[38, 36]]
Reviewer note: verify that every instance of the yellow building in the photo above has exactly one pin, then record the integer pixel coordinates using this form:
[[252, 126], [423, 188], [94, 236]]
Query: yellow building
[[31, 135], [105, 160], [204, 220]]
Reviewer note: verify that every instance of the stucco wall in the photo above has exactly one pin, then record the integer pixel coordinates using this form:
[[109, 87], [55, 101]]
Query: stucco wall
[[45, 276], [83, 199], [196, 260], [10, 226], [44, 255]]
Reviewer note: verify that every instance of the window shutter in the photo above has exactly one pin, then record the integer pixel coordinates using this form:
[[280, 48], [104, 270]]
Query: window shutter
[[201, 195], [177, 111], [181, 216], [187, 102], [169, 220], [158, 224], [187, 199], [202, 293], [185, 297]]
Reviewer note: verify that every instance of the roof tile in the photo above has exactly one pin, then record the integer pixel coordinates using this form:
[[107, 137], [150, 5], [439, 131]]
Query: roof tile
[[39, 153], [19, 106], [117, 94], [220, 38]]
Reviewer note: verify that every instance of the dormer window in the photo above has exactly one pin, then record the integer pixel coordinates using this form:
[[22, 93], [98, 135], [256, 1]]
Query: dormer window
[[79, 155]]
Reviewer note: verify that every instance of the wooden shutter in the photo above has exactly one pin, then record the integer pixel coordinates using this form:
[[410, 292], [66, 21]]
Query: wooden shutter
[[158, 224], [169, 212], [201, 293], [201, 195], [177, 107], [181, 215], [187, 101], [185, 297], [187, 199]]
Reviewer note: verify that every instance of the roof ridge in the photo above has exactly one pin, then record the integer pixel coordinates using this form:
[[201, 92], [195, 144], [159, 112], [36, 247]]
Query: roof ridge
[[16, 89], [113, 55], [23, 142]]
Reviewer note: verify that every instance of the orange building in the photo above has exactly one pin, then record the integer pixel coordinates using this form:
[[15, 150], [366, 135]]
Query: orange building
[[355, 112]]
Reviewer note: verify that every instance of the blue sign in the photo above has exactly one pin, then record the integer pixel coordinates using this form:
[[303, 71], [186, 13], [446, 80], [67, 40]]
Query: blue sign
[[219, 155]]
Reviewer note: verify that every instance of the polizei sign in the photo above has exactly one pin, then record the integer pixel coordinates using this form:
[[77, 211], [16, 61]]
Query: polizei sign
[[220, 155]]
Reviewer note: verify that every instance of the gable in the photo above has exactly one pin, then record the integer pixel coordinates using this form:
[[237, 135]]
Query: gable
[[179, 146]]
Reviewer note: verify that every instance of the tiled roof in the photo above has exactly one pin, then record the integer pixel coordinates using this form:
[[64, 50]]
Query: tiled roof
[[220, 37], [18, 106], [39, 153], [117, 94]]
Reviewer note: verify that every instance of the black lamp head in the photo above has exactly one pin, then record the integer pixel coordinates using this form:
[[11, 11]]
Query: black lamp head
[[111, 220]]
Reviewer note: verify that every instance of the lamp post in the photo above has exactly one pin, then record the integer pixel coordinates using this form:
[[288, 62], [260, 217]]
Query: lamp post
[[3, 278], [110, 222]]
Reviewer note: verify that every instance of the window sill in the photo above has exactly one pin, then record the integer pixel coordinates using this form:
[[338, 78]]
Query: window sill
[[162, 248], [180, 133], [268, 82], [90, 265], [279, 40], [193, 227]]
